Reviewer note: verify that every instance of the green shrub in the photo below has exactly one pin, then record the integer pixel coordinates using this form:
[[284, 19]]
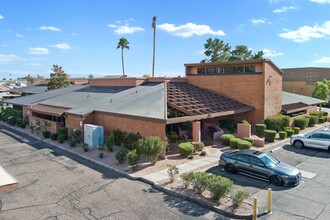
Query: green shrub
[[203, 152], [240, 196], [187, 179], [270, 135], [233, 142], [109, 142], [322, 119], [306, 122], [53, 136], [73, 142], [131, 141], [316, 113], [173, 137], [100, 148], [312, 120], [12, 120], [152, 147], [60, 138], [119, 136], [260, 129], [300, 123], [218, 186], [133, 159], [76, 134], [225, 139], [121, 155], [63, 131], [296, 130], [46, 134], [282, 134], [10, 112], [243, 145], [199, 182], [172, 171], [277, 122], [324, 114], [85, 147], [186, 149], [19, 122], [198, 146], [249, 140], [244, 121], [101, 155], [228, 123], [22, 125], [289, 132]]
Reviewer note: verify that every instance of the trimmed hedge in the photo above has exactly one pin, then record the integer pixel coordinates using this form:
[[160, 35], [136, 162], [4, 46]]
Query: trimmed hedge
[[313, 119], [243, 145], [186, 149], [282, 134], [233, 142], [46, 134], [53, 136], [260, 129], [61, 138], [198, 146], [277, 122], [63, 131], [289, 132], [324, 114], [316, 113], [248, 139], [302, 123], [296, 130], [225, 139], [322, 119], [270, 135]]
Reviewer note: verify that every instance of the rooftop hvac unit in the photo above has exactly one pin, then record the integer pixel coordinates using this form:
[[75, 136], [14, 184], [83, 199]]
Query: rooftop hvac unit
[[93, 135]]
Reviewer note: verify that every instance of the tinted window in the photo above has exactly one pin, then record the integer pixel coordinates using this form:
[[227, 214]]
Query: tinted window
[[211, 70], [201, 70], [250, 69], [239, 69], [316, 136], [220, 70], [269, 160], [230, 70], [325, 136], [243, 158], [256, 161]]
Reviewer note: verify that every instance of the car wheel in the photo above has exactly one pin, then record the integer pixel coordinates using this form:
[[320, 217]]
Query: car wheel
[[230, 168], [298, 144], [276, 180]]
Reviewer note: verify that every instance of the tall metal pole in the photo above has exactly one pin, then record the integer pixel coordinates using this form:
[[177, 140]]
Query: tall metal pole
[[154, 45]]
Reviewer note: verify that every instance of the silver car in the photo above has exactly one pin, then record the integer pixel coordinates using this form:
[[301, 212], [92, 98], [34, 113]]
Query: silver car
[[260, 165], [317, 139]]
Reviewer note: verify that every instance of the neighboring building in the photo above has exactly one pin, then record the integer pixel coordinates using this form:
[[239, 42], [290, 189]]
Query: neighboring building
[[302, 80]]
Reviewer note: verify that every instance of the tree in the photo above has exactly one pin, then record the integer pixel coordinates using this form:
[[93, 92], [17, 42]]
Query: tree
[[259, 55], [123, 44], [241, 52], [90, 76], [321, 90], [154, 45], [58, 78], [217, 50]]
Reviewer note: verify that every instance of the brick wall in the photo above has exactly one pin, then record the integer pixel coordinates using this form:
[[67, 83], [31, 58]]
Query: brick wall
[[300, 88], [77, 122]]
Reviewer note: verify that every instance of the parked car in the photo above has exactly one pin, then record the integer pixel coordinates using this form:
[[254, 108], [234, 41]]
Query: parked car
[[317, 139], [260, 165]]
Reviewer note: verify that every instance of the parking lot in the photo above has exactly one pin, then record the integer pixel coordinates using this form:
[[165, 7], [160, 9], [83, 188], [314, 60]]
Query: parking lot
[[309, 200]]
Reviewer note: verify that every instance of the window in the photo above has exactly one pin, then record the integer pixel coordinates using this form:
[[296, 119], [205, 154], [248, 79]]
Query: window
[[210, 70], [220, 70], [316, 136], [256, 161], [239, 69], [243, 158], [201, 70], [250, 69], [230, 70]]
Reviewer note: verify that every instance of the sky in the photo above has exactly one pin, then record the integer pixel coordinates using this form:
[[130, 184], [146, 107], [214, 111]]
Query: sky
[[82, 35]]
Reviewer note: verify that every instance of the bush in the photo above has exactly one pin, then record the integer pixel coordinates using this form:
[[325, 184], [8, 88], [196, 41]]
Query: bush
[[12, 120], [277, 122], [270, 135], [225, 139], [46, 134], [316, 113], [173, 137], [172, 171], [101, 155], [121, 155], [296, 130], [133, 158], [228, 123], [187, 179], [203, 152], [218, 186], [73, 142], [152, 147], [76, 134], [282, 134], [199, 182], [63, 131], [312, 120], [306, 122], [100, 148], [19, 122], [289, 132], [324, 114], [186, 149], [60, 138], [260, 129], [300, 123], [53, 136], [85, 147], [233, 142], [244, 121], [322, 119], [119, 136], [243, 145], [249, 140], [109, 142], [131, 141], [22, 125], [240, 196], [198, 146]]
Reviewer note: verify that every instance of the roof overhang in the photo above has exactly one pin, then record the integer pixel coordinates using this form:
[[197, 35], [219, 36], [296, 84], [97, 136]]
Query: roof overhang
[[294, 107], [49, 109]]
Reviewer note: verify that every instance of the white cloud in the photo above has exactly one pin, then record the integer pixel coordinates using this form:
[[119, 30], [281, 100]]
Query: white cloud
[[258, 21], [38, 50], [323, 60], [283, 9], [63, 46], [271, 53], [49, 28], [7, 58], [125, 29], [19, 35], [200, 52], [306, 33], [189, 29], [1, 17], [33, 64], [321, 1]]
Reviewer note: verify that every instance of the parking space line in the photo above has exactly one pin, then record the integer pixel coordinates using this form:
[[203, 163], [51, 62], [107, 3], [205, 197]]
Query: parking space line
[[307, 174]]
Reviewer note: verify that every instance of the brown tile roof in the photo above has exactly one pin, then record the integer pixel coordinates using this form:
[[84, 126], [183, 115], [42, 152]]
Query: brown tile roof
[[4, 88], [193, 101], [295, 107], [49, 109]]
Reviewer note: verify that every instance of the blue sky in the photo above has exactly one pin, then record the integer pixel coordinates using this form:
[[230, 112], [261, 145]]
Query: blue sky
[[82, 35]]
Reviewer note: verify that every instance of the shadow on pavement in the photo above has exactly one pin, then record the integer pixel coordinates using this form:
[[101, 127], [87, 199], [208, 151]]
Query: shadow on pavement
[[308, 151]]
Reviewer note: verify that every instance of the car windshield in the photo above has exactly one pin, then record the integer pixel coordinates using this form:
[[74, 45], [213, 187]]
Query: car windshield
[[269, 160]]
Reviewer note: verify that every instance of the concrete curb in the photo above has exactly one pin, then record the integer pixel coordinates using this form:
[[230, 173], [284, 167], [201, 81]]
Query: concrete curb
[[151, 183]]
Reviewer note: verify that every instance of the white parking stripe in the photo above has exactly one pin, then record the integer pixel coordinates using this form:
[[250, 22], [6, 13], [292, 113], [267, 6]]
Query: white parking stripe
[[307, 174]]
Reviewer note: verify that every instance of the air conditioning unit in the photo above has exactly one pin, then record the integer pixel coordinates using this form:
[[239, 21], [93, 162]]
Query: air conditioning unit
[[93, 135]]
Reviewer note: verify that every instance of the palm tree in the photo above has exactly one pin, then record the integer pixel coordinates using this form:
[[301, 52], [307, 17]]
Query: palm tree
[[123, 44], [154, 45]]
